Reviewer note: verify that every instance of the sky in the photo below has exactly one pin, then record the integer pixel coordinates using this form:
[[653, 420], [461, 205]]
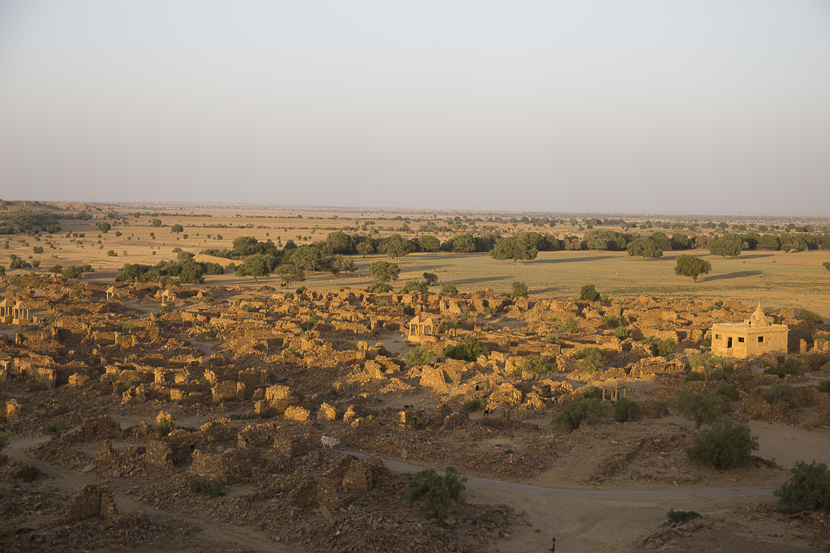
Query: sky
[[597, 106]]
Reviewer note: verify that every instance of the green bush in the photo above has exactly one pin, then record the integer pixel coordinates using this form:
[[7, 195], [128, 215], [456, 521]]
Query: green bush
[[54, 429], [379, 288], [680, 517], [164, 425], [791, 365], [698, 407], [468, 349], [417, 356], [28, 473], [445, 326], [706, 361], [577, 412], [519, 289], [726, 445], [626, 410], [661, 347], [532, 365], [488, 328], [246, 416], [590, 359], [808, 487], [824, 386], [475, 405], [435, 492], [807, 315], [449, 289], [551, 339], [589, 293], [611, 321], [127, 384], [730, 391], [415, 286], [248, 308], [591, 392], [567, 326], [621, 332], [782, 393], [820, 336], [210, 488]]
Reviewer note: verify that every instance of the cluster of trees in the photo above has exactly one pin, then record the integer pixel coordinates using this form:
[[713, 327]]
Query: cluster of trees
[[185, 268]]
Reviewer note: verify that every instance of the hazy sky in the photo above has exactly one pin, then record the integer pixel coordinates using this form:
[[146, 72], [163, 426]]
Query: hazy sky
[[603, 106]]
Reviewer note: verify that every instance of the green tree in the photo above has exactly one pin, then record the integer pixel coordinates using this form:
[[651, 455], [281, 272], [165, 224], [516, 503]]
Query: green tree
[[395, 246], [290, 273], [469, 349], [383, 271], [661, 240], [431, 279], [463, 243], [826, 265], [340, 243], [808, 487], [577, 412], [691, 266], [436, 492], [155, 223], [308, 258], [517, 248], [589, 293], [706, 361], [727, 245], [176, 229], [645, 248], [429, 243], [680, 241], [103, 227], [342, 264], [254, 266], [698, 407], [364, 249], [519, 289], [449, 289], [415, 286]]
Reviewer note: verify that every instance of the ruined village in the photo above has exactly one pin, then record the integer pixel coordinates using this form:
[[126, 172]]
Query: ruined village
[[235, 418]]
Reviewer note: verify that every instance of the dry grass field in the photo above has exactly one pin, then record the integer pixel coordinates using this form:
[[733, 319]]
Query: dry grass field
[[775, 278]]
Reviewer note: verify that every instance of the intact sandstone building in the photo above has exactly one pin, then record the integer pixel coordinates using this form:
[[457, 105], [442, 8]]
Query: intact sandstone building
[[752, 338]]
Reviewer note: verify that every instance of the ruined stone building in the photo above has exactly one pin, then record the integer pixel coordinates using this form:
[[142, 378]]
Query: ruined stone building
[[752, 338]]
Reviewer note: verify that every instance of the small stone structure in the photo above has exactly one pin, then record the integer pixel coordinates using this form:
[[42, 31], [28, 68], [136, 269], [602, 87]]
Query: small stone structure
[[752, 338], [418, 327], [110, 292], [20, 313], [5, 311]]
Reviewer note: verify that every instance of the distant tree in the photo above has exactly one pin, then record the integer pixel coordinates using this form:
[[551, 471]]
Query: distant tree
[[680, 241], [826, 265], [2, 270], [383, 271], [449, 289], [431, 279], [645, 248], [463, 243], [176, 229], [661, 241], [290, 273], [254, 266], [589, 293], [340, 243], [395, 246], [519, 289], [342, 264], [769, 242], [103, 227], [436, 492], [364, 249], [429, 243], [727, 245], [308, 258], [415, 286], [517, 248], [155, 223], [691, 266]]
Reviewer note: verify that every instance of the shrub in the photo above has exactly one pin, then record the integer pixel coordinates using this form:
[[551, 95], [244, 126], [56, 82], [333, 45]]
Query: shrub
[[626, 410], [621, 332], [824, 386], [820, 336], [489, 310], [435, 492], [488, 328], [54, 429], [782, 393], [210, 488], [28, 473], [4, 439], [698, 407], [519, 289], [680, 517], [592, 392], [807, 315], [790, 366], [246, 416], [567, 326], [431, 279], [589, 293], [467, 350], [72, 272], [532, 365], [726, 445], [706, 361], [164, 425], [127, 384], [661, 347], [808, 487], [474, 405], [449, 289], [611, 321], [445, 326], [415, 286], [551, 339], [379, 288], [590, 359], [725, 389], [586, 410], [417, 356]]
